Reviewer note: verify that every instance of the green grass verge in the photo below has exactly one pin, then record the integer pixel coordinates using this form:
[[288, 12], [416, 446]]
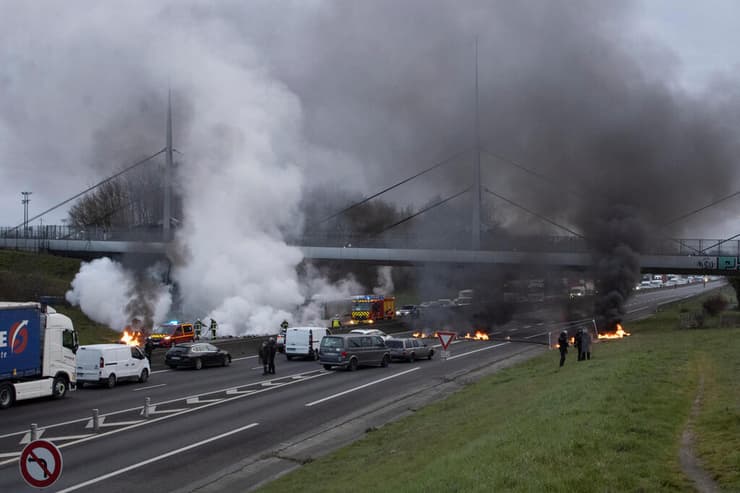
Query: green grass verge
[[610, 424], [26, 276]]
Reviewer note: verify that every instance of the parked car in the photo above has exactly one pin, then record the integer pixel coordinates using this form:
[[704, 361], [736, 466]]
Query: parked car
[[407, 311], [280, 341], [196, 355], [108, 364], [352, 351], [409, 349], [370, 332]]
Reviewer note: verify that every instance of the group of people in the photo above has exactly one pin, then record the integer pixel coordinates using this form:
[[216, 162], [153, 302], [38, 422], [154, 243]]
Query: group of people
[[582, 342], [267, 356]]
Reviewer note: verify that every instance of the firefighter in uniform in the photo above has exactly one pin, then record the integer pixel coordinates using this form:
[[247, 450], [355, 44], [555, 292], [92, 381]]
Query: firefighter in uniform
[[213, 329], [198, 328]]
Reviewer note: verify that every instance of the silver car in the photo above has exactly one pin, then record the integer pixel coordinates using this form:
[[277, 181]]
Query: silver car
[[352, 351], [409, 349]]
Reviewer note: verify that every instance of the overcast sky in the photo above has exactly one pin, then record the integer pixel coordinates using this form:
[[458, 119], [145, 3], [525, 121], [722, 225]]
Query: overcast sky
[[88, 135]]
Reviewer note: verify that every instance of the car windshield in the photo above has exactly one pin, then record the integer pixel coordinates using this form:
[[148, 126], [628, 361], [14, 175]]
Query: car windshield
[[394, 343], [163, 329], [331, 342]]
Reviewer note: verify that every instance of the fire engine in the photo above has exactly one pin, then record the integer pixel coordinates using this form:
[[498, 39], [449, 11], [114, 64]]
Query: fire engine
[[370, 308]]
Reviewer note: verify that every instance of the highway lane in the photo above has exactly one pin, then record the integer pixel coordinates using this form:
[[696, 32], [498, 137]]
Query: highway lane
[[261, 415], [282, 412]]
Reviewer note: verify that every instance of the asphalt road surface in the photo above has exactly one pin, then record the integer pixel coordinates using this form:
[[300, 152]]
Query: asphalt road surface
[[226, 427]]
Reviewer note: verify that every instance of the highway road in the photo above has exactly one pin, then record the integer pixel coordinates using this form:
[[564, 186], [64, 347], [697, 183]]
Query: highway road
[[225, 427]]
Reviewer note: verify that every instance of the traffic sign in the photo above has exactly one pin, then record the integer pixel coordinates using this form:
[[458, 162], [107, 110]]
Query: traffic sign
[[446, 338], [40, 463]]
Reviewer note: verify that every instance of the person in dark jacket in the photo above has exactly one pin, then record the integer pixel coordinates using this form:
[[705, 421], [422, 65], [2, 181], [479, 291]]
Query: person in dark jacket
[[577, 343], [271, 350], [563, 346], [264, 353], [148, 348]]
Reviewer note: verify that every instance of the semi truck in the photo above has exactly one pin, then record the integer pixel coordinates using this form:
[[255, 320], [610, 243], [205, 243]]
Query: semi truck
[[37, 352]]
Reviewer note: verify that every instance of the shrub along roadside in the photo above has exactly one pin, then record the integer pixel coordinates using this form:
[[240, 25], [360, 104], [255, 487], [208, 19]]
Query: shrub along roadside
[[610, 424], [26, 276]]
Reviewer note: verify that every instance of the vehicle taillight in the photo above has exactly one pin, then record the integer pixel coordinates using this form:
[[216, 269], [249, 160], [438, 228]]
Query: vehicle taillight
[[102, 362], [343, 354]]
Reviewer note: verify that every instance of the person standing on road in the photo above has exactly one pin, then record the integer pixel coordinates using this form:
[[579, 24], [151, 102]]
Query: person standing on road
[[198, 329], [213, 328], [148, 348], [585, 345], [563, 346], [264, 354], [271, 350]]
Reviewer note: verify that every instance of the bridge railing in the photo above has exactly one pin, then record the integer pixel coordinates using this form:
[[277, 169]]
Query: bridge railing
[[38, 236]]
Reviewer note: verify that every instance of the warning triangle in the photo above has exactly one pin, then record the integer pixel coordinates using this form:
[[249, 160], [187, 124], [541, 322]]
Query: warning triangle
[[446, 338]]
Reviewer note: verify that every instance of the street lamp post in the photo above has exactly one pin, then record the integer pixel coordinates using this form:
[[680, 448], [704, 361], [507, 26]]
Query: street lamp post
[[25, 202]]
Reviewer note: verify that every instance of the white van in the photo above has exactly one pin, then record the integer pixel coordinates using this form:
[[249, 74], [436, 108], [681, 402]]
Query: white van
[[304, 341], [109, 363]]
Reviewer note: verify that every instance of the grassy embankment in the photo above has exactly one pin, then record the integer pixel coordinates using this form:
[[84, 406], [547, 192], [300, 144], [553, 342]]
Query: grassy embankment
[[610, 424], [26, 276]]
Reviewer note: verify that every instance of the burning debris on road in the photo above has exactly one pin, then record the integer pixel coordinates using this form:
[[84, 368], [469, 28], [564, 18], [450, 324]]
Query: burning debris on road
[[618, 333]]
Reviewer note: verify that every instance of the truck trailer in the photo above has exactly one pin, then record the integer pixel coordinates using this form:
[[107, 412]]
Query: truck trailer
[[37, 352]]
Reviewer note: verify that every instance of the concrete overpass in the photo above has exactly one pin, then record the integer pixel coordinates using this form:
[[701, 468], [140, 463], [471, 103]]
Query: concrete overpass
[[679, 258]]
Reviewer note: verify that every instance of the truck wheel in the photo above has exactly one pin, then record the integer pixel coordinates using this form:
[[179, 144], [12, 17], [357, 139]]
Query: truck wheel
[[111, 381], [198, 364], [431, 353], [7, 395], [412, 357], [226, 361], [144, 376], [59, 387], [352, 364], [386, 361]]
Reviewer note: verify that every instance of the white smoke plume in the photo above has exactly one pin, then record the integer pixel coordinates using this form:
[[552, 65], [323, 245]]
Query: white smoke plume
[[110, 295], [385, 281], [324, 300]]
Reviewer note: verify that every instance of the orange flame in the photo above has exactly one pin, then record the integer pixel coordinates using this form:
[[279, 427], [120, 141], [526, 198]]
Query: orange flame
[[619, 334], [478, 336], [131, 338]]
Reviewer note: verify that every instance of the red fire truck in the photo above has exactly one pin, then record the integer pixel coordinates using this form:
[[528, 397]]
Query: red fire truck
[[370, 308]]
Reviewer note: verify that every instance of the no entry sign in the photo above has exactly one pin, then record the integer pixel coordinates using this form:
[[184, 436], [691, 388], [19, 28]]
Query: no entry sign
[[40, 463]]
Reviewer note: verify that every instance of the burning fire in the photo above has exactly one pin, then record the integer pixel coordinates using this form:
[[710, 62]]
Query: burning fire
[[478, 336], [131, 338], [424, 335], [620, 333]]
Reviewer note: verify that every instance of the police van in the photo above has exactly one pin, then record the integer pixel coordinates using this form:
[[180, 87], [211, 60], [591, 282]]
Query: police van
[[303, 342]]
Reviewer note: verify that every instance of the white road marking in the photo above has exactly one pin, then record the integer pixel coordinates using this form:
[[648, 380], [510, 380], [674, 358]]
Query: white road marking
[[476, 351], [9, 455], [155, 459], [243, 357], [95, 436], [139, 408], [361, 387], [536, 335], [150, 387], [27, 438]]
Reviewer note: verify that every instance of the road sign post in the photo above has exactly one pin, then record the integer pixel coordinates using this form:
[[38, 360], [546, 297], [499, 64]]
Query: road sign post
[[40, 463], [446, 338]]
